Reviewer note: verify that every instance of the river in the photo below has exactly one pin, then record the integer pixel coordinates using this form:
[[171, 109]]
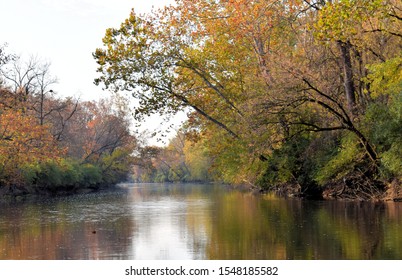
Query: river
[[194, 221]]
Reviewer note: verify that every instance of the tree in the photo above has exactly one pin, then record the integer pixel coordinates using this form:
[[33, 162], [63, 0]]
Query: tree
[[143, 56], [28, 79], [106, 131], [22, 143], [4, 57], [31, 85], [57, 144], [259, 76]]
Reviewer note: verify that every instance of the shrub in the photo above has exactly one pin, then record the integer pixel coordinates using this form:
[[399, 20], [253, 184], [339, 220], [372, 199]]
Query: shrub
[[91, 175], [348, 157], [288, 164]]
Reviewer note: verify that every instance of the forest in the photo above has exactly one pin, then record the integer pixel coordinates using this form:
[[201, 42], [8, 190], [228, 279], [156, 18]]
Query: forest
[[302, 98], [54, 145], [298, 97]]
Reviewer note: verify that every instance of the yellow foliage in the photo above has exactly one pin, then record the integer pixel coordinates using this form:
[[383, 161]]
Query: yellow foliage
[[386, 77], [23, 141]]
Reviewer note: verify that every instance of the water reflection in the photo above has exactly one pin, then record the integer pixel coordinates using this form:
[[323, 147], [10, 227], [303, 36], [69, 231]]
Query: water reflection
[[197, 222], [296, 229], [82, 227]]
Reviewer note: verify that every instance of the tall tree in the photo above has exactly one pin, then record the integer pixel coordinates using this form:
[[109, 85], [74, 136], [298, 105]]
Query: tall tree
[[258, 74]]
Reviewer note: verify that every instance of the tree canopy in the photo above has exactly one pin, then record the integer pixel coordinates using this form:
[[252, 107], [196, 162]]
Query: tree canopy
[[279, 91]]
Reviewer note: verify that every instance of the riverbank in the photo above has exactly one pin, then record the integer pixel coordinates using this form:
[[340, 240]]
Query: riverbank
[[336, 191], [18, 193], [342, 191]]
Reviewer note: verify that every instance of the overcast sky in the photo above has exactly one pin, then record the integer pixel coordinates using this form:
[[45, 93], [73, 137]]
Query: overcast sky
[[66, 33]]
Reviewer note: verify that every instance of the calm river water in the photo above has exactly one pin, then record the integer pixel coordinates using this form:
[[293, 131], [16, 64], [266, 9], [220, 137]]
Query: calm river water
[[155, 221]]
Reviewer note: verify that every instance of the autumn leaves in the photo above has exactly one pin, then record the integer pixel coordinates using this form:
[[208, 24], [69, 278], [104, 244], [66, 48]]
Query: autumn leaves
[[49, 143], [262, 76]]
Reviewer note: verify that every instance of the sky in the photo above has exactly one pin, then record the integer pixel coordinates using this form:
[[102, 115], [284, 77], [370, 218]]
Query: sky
[[66, 33]]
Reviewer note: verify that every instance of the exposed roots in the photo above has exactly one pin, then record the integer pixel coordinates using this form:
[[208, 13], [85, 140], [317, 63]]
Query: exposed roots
[[356, 186]]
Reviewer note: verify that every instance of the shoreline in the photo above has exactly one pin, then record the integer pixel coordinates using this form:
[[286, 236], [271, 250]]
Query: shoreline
[[392, 192]]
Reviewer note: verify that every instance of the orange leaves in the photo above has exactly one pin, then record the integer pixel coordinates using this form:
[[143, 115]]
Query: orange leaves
[[106, 130], [23, 141]]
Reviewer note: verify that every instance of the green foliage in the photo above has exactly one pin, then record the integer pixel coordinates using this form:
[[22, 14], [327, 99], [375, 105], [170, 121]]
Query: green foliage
[[62, 175], [392, 160], [386, 78], [198, 161], [384, 125], [50, 175], [287, 164], [160, 177], [347, 158], [30, 172], [72, 174], [230, 162], [91, 175], [380, 125], [115, 166]]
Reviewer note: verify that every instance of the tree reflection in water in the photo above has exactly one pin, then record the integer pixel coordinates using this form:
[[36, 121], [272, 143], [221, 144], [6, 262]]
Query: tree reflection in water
[[197, 222]]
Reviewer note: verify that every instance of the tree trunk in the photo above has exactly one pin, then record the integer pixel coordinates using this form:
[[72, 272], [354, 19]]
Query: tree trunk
[[348, 76], [366, 144]]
